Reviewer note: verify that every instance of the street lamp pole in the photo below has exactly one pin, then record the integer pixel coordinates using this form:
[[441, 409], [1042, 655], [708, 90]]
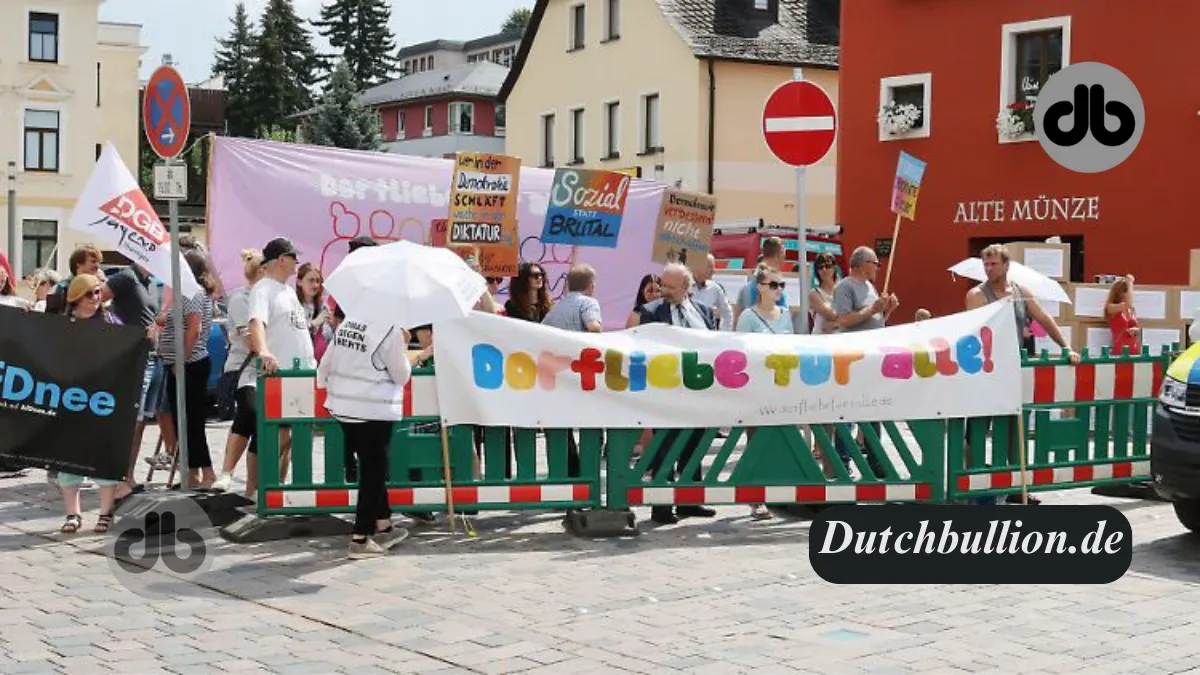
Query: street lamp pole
[[14, 240]]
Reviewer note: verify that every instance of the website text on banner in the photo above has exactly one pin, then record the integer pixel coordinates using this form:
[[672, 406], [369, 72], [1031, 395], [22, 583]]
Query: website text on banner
[[114, 210], [321, 198], [498, 372], [69, 392]]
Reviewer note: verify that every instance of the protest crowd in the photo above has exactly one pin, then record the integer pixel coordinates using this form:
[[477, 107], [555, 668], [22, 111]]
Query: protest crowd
[[365, 340]]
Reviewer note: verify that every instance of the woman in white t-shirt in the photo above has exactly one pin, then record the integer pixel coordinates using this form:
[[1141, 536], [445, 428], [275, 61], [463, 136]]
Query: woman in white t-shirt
[[240, 360]]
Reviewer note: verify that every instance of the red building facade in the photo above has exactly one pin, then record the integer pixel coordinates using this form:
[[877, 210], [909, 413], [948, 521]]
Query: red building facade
[[406, 120], [960, 64]]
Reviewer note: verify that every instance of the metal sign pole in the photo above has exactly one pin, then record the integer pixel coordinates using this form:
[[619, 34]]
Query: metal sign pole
[[180, 357], [802, 234]]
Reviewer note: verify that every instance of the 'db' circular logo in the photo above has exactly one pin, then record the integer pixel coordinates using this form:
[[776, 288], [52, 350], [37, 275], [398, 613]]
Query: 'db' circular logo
[[1089, 117], [157, 544]]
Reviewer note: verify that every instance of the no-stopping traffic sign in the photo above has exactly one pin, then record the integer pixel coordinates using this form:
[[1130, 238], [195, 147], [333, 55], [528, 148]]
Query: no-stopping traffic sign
[[799, 123]]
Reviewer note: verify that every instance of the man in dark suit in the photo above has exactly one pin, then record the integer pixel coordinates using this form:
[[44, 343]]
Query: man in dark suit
[[676, 308]]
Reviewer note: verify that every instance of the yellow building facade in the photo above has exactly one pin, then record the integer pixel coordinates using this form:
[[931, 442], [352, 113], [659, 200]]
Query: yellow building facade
[[68, 84], [673, 90]]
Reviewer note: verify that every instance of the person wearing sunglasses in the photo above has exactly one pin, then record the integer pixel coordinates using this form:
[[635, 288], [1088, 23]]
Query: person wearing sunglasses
[[84, 302], [765, 316], [528, 297], [820, 298]]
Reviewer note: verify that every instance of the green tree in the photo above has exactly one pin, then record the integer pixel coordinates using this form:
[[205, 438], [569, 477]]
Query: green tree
[[285, 66], [279, 134], [233, 62], [340, 120], [517, 20], [359, 30]]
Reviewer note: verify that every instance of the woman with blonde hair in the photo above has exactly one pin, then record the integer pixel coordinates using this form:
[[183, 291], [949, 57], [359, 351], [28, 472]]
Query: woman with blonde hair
[[1122, 320], [84, 303], [238, 364]]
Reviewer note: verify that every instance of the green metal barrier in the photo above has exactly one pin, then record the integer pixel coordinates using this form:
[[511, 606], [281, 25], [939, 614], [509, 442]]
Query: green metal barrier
[[778, 465], [493, 479], [1061, 402], [498, 468]]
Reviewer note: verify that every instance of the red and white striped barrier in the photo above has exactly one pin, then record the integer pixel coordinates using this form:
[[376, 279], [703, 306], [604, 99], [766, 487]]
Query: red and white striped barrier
[[466, 495], [290, 398], [1091, 382], [778, 494], [1064, 474]]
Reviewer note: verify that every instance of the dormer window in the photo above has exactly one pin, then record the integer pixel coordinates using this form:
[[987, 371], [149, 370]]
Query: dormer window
[[765, 9]]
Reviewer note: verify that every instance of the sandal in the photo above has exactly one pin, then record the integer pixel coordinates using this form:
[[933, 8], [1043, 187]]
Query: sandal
[[103, 523], [72, 525]]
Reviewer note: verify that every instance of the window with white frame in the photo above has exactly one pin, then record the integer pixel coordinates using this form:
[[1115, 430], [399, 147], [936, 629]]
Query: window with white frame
[[904, 106], [612, 19], [38, 239], [428, 120], [462, 118], [612, 130], [548, 140], [501, 115], [41, 140], [651, 140], [577, 136], [578, 18], [43, 37], [1030, 52], [400, 123], [762, 5]]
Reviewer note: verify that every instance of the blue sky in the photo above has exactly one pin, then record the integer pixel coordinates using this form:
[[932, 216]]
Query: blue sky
[[188, 29]]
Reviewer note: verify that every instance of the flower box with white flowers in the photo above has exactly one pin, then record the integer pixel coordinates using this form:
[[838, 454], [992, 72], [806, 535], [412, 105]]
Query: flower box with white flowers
[[1016, 121], [899, 119]]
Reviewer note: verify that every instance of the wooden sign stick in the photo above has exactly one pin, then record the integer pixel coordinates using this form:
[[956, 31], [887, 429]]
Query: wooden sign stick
[[887, 279]]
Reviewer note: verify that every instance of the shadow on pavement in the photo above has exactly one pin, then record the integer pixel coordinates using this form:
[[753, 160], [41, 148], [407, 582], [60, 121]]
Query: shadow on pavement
[[1174, 558]]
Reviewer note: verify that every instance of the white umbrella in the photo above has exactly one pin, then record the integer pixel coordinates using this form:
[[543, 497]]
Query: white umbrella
[[405, 284], [1042, 286]]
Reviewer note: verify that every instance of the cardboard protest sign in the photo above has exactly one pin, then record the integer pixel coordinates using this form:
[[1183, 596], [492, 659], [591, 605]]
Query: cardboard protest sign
[[685, 228], [586, 208], [483, 209]]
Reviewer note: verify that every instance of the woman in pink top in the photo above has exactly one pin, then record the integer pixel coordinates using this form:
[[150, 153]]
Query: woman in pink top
[[1122, 320]]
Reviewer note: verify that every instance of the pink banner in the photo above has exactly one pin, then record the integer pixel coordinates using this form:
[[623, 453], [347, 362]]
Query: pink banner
[[321, 198]]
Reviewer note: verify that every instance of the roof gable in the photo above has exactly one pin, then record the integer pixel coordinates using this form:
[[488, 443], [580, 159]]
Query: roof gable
[[805, 32], [800, 32], [482, 78]]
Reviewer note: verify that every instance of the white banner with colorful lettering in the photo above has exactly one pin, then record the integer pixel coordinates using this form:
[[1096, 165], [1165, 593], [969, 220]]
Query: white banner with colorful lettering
[[497, 371]]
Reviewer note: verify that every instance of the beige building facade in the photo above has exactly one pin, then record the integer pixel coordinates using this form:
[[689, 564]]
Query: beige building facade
[[68, 84], [672, 90]]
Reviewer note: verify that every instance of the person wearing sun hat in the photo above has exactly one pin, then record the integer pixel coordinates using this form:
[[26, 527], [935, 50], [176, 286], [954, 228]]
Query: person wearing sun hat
[[84, 303]]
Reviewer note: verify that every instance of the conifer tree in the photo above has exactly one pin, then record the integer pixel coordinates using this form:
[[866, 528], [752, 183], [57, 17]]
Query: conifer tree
[[233, 62], [358, 31], [340, 120], [285, 67]]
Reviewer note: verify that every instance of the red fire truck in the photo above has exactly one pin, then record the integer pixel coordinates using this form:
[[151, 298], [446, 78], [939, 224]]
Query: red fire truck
[[736, 246]]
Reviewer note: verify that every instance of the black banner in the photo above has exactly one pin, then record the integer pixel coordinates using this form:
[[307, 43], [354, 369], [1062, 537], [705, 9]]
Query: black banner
[[69, 392]]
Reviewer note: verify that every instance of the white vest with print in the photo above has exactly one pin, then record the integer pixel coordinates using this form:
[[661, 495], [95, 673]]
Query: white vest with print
[[355, 387]]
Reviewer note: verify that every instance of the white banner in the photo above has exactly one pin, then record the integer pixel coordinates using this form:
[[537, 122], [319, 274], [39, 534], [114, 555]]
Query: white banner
[[114, 210], [497, 371]]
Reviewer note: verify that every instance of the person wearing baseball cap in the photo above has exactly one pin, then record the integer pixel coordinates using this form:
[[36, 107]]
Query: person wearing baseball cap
[[278, 326], [361, 242]]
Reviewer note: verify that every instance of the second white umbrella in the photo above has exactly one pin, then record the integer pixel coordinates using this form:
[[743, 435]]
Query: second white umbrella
[[1041, 286]]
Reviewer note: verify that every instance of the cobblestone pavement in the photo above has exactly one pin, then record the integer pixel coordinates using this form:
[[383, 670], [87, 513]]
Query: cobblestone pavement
[[726, 595]]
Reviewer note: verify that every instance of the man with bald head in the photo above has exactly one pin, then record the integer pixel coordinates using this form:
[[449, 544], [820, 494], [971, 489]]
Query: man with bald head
[[676, 308], [709, 293]]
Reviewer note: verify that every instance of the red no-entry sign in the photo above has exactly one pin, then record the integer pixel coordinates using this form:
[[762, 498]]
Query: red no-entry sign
[[166, 112], [799, 123]]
